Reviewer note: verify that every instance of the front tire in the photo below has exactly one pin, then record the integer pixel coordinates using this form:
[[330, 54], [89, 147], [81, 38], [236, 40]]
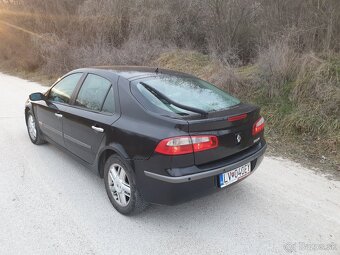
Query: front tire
[[33, 129], [121, 186]]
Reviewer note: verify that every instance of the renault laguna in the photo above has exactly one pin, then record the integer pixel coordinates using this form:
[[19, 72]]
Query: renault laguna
[[153, 135]]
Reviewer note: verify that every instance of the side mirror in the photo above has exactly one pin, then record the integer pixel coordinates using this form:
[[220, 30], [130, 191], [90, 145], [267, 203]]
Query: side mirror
[[37, 96]]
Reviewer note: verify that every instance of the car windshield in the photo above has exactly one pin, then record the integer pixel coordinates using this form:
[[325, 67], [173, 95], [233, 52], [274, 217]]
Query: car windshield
[[188, 91]]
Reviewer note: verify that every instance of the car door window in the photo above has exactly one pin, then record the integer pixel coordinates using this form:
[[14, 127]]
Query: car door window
[[63, 90], [109, 104], [93, 92]]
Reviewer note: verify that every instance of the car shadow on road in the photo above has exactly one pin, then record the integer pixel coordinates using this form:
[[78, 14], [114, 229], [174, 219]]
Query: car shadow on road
[[208, 209]]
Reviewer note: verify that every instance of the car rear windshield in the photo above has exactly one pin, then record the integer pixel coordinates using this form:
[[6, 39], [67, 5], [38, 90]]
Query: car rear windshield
[[188, 91]]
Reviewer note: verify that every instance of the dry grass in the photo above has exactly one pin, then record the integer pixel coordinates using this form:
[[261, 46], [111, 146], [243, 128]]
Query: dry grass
[[15, 52], [276, 66], [202, 66], [59, 57]]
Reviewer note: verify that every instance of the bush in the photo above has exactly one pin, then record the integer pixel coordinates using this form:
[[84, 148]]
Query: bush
[[277, 65], [318, 84]]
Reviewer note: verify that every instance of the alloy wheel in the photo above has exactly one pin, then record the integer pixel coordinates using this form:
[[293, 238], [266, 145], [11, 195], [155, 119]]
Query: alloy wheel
[[31, 127], [119, 184]]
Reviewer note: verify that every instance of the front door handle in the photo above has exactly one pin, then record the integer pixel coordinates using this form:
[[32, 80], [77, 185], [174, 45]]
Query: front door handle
[[58, 115], [98, 129]]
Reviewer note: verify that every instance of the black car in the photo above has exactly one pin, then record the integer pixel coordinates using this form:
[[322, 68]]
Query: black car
[[155, 136]]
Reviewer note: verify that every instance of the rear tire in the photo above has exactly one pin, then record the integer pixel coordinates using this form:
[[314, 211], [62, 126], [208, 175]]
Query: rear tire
[[120, 184], [33, 129]]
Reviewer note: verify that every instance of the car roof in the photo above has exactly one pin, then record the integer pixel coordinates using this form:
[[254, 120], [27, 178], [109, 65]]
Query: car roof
[[132, 72]]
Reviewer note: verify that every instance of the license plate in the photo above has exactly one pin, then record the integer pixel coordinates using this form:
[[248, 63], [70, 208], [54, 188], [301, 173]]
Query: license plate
[[232, 176]]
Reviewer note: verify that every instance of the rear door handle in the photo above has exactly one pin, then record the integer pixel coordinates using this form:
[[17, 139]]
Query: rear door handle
[[58, 115], [98, 129]]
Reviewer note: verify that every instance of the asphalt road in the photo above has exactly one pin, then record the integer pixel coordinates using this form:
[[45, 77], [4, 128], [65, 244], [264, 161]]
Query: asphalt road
[[50, 204]]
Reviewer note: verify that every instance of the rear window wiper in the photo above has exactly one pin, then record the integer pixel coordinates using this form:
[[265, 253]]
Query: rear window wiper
[[162, 97]]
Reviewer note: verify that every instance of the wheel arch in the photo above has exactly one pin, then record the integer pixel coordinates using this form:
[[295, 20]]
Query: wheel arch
[[104, 154], [28, 107]]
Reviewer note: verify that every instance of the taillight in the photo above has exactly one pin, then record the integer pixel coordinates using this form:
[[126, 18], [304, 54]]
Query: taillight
[[258, 126], [186, 144]]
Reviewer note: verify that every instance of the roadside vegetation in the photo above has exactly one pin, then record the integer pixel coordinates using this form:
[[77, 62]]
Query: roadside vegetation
[[281, 55]]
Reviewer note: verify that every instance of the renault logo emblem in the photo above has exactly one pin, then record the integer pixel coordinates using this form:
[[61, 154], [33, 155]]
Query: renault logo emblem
[[238, 138]]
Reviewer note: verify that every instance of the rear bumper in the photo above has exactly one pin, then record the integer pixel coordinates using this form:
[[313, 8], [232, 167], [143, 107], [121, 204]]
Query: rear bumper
[[162, 189], [205, 174]]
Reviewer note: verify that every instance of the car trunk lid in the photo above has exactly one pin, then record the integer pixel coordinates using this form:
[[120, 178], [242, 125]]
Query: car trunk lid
[[233, 128]]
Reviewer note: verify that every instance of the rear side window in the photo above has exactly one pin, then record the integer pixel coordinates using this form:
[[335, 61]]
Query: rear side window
[[63, 90], [93, 92], [188, 91]]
